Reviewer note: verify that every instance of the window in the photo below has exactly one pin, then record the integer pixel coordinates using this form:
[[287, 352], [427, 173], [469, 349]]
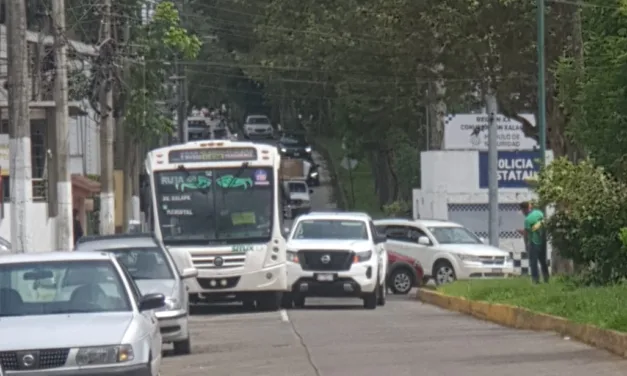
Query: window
[[134, 289], [61, 287], [297, 187], [258, 120], [331, 229], [399, 233], [454, 235], [415, 234], [144, 263]]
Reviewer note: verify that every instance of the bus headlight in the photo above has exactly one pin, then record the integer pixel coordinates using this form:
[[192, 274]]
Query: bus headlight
[[292, 256]]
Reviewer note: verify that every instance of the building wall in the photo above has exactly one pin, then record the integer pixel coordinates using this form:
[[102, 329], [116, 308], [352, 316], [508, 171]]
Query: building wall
[[43, 225]]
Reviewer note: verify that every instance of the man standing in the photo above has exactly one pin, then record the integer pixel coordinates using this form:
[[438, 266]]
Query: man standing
[[535, 241]]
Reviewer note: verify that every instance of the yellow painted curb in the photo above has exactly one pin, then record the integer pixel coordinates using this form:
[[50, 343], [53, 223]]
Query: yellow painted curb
[[521, 318]]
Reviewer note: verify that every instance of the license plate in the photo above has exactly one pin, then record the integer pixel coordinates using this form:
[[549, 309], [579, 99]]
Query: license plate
[[497, 270], [325, 277]]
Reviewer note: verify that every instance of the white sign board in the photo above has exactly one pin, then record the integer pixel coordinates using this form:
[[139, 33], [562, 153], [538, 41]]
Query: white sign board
[[470, 132]]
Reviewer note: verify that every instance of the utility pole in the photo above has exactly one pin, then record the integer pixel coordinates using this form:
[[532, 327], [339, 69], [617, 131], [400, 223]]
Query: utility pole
[[65, 235], [493, 160], [181, 98], [19, 129], [107, 198], [541, 83]]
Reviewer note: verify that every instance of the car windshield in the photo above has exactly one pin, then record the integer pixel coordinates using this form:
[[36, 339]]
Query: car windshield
[[61, 287], [297, 187], [331, 229], [144, 263], [292, 140], [454, 235], [258, 120], [208, 205]]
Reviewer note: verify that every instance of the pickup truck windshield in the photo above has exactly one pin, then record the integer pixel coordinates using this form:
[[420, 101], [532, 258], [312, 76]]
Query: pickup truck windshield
[[331, 229]]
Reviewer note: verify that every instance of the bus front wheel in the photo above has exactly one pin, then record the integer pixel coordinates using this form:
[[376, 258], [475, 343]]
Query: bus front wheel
[[270, 301]]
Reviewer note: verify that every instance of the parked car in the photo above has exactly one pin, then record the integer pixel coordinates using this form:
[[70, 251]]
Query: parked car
[[258, 126], [294, 145], [77, 313], [154, 271], [335, 255], [404, 272], [446, 250]]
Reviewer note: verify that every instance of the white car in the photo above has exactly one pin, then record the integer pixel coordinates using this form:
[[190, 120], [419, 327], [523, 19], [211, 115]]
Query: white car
[[447, 251], [299, 197], [258, 126], [104, 327], [336, 255]]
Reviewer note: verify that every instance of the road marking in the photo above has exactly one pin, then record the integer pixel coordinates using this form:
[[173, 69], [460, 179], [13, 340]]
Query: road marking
[[284, 316]]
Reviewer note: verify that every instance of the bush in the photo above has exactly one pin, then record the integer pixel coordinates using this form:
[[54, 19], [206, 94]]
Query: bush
[[589, 220], [398, 209]]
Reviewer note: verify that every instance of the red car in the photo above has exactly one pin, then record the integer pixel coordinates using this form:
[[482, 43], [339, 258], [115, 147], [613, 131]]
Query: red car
[[403, 273]]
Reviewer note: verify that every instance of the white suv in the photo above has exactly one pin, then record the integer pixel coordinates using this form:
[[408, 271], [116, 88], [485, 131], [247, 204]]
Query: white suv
[[336, 255], [446, 250]]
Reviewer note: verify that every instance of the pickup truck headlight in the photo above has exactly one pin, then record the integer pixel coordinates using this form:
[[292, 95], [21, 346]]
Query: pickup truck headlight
[[362, 256], [469, 258], [308, 149], [172, 304], [104, 355], [283, 150], [292, 256]]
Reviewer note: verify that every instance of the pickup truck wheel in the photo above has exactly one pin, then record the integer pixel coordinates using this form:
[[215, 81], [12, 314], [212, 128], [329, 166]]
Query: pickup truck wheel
[[299, 301], [401, 281], [183, 347], [371, 299], [287, 302], [382, 294]]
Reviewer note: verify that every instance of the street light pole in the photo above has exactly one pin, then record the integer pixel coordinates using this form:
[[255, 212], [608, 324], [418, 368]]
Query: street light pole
[[540, 5]]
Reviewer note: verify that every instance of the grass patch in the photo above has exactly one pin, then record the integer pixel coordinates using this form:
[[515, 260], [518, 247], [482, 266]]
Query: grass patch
[[599, 306], [363, 182]]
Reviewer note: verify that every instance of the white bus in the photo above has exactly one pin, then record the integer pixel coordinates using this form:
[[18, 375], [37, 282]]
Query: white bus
[[216, 205]]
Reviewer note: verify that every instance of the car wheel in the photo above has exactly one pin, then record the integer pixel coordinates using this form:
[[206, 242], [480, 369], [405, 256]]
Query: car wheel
[[401, 281], [286, 301], [269, 302], [299, 301], [183, 347], [382, 294], [444, 273]]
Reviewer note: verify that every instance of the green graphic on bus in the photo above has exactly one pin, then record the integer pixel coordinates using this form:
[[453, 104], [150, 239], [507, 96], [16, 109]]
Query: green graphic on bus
[[200, 182], [230, 181]]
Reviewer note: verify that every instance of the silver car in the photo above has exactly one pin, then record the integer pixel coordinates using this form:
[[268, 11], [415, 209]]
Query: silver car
[[258, 126], [75, 313], [154, 271]]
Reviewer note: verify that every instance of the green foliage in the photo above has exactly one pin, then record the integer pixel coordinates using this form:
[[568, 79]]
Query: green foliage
[[398, 209], [590, 213], [159, 42], [599, 306]]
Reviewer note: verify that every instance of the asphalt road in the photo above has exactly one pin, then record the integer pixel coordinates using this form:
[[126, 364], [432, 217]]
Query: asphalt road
[[337, 337]]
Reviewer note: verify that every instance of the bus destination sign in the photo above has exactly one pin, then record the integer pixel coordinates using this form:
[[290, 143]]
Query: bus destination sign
[[212, 155]]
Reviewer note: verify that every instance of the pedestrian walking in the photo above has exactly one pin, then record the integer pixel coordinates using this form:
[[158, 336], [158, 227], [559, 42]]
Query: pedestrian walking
[[78, 228], [535, 241]]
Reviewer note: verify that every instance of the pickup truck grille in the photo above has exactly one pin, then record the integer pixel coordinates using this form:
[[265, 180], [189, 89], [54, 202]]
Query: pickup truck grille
[[337, 260]]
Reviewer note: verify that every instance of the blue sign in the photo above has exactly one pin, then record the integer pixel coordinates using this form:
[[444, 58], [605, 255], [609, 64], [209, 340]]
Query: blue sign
[[514, 167]]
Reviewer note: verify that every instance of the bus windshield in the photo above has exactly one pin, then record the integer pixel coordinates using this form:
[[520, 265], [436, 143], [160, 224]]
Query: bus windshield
[[207, 205]]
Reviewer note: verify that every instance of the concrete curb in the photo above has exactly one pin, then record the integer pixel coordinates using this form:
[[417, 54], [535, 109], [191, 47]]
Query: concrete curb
[[521, 318]]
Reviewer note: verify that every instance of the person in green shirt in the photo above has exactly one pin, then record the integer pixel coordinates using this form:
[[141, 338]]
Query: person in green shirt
[[535, 241]]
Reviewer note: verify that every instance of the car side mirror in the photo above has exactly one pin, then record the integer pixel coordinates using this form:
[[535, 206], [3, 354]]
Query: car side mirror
[[423, 240], [151, 301], [189, 273]]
